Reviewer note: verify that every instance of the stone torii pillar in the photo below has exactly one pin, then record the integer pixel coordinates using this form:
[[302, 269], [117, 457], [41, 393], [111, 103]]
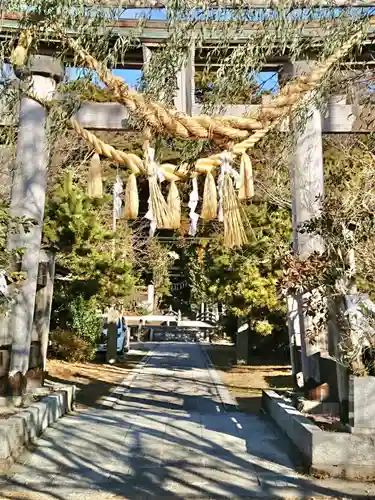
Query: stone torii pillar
[[307, 187], [28, 198], [184, 97]]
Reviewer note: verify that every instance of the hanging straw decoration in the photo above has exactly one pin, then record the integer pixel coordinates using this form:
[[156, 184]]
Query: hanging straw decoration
[[246, 182], [209, 206], [234, 231], [229, 211], [94, 181], [131, 200], [174, 206], [158, 212]]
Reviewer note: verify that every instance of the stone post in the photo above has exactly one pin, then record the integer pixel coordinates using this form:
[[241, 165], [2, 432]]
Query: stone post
[[151, 298], [42, 316], [202, 316], [307, 185], [111, 355], [242, 342], [127, 336], [342, 376], [184, 98], [28, 197], [5, 353], [295, 341], [216, 313]]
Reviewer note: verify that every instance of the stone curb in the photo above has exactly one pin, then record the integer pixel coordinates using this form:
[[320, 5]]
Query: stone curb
[[228, 401], [22, 429], [335, 454], [118, 392]]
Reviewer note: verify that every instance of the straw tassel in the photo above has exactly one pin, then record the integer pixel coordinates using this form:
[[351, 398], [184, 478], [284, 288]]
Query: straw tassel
[[131, 200], [209, 206], [234, 231], [174, 206], [158, 211], [246, 190], [94, 182], [159, 206]]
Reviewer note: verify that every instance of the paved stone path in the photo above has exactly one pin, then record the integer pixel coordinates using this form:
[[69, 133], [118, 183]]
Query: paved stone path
[[168, 435]]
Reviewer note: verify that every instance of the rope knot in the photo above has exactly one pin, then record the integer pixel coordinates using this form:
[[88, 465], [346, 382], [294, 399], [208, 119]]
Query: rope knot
[[225, 169], [153, 168]]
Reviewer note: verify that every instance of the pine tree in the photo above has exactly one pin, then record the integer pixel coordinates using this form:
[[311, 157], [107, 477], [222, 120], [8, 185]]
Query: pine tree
[[77, 227]]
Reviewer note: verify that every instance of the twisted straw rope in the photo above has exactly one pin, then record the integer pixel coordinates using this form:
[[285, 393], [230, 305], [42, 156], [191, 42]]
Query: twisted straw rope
[[130, 160], [282, 105], [304, 86], [158, 116]]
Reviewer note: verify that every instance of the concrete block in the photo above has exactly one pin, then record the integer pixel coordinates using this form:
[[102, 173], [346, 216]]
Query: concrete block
[[19, 430], [339, 454], [46, 65], [362, 404]]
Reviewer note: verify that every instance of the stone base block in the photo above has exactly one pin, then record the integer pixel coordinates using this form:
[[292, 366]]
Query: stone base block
[[362, 404], [336, 454]]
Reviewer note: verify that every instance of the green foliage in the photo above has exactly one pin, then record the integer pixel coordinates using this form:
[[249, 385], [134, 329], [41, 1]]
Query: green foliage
[[86, 90], [71, 219], [245, 280], [10, 225], [159, 263], [8, 258], [207, 89], [100, 270], [155, 261], [345, 226], [99, 261], [86, 322], [76, 337]]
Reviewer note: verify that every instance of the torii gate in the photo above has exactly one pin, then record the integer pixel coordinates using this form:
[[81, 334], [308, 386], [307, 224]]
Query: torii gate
[[32, 159]]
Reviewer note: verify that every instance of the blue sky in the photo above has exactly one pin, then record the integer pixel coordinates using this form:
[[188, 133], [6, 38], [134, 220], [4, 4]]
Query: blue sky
[[258, 14], [267, 81]]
